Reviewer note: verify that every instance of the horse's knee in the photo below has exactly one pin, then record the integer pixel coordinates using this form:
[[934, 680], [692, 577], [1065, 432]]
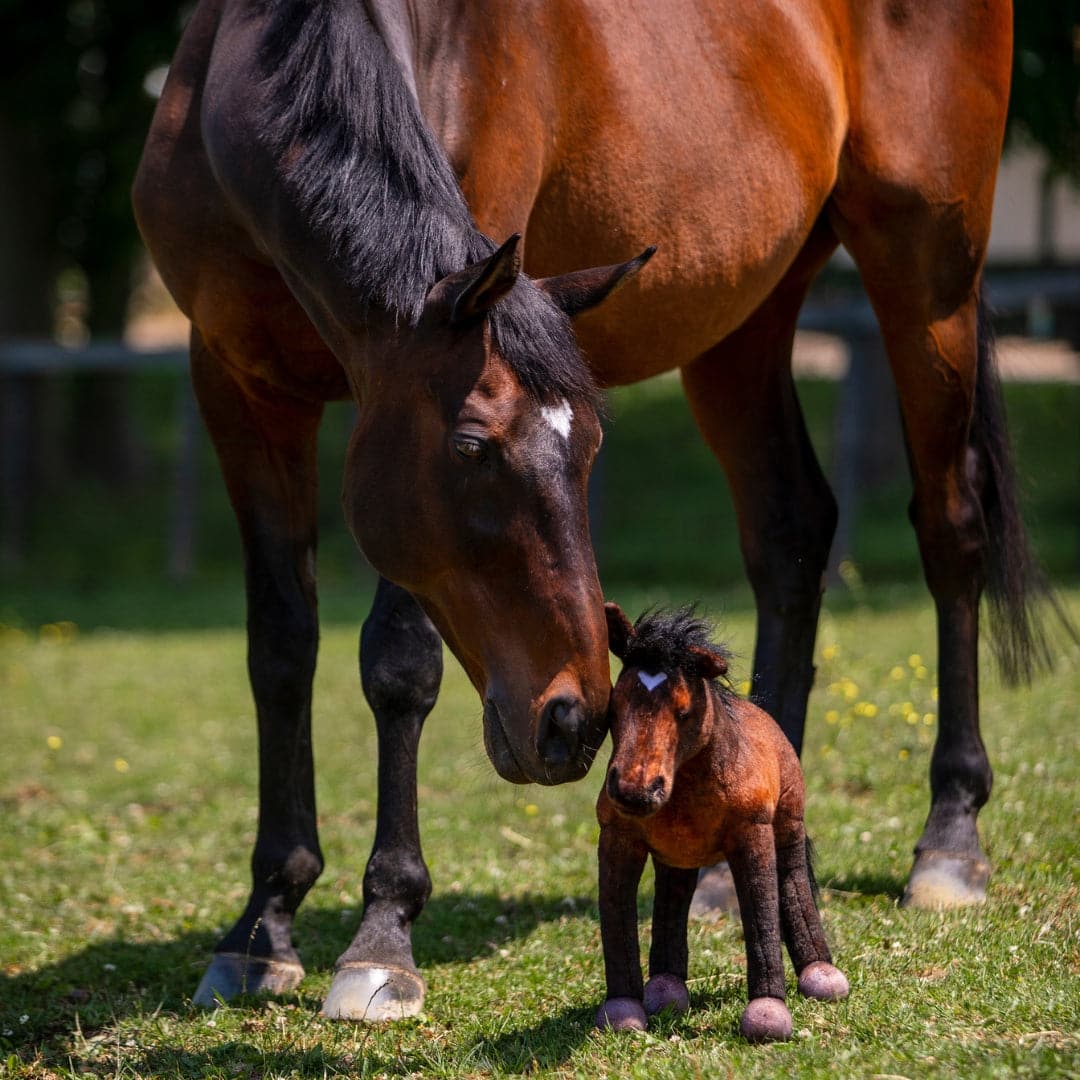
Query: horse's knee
[[400, 661]]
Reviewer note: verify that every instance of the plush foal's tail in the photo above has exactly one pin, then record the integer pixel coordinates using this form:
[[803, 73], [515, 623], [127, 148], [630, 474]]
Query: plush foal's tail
[[1016, 585], [811, 858]]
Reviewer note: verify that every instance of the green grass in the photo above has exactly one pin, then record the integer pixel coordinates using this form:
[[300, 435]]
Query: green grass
[[127, 808]]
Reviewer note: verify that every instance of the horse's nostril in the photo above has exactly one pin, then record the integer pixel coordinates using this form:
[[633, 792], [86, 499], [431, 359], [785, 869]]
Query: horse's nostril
[[656, 789], [561, 728]]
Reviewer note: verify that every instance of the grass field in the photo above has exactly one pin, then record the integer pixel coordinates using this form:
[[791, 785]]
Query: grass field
[[127, 801], [128, 776]]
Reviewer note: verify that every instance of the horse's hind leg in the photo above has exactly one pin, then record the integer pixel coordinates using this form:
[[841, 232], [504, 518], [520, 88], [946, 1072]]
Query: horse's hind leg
[[921, 276], [401, 668], [267, 455], [744, 401]]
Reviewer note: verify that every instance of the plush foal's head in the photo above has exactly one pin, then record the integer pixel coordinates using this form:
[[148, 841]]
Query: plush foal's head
[[663, 707], [466, 482]]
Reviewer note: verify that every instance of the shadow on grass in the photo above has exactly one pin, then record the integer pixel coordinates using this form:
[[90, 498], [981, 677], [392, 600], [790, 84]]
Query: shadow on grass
[[866, 886], [102, 984]]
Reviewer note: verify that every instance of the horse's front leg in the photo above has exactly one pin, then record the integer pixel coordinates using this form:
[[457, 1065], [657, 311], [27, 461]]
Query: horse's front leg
[[267, 454], [622, 859], [752, 856], [668, 956], [401, 669]]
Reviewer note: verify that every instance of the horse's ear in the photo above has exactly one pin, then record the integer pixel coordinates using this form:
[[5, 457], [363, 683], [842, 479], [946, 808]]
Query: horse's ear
[[582, 290], [712, 663], [620, 630], [486, 283]]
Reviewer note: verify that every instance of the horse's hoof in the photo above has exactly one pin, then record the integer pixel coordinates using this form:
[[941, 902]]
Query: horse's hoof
[[944, 879], [766, 1019], [232, 974], [715, 894], [666, 992], [823, 982], [621, 1014], [373, 993]]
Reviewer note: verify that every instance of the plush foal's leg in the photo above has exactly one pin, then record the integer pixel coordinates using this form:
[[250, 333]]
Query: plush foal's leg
[[267, 454], [622, 859], [753, 864], [668, 954], [401, 667], [801, 923]]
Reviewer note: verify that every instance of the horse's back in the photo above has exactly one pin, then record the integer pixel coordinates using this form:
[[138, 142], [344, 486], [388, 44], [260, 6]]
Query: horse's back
[[720, 131]]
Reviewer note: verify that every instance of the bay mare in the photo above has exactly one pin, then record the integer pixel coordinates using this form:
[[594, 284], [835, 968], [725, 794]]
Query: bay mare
[[322, 190]]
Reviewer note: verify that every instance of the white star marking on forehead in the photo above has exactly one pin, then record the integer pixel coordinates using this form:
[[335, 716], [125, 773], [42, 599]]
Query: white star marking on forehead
[[558, 417], [651, 682]]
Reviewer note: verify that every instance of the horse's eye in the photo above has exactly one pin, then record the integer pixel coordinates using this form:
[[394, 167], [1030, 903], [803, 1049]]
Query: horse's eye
[[468, 447]]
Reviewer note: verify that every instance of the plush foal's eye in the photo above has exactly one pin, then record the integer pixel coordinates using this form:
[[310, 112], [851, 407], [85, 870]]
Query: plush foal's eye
[[468, 447]]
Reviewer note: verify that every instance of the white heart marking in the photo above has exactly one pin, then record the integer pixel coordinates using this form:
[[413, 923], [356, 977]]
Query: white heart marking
[[651, 682]]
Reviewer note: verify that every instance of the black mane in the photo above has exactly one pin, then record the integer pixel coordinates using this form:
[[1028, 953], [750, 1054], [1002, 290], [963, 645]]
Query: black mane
[[663, 641], [377, 189]]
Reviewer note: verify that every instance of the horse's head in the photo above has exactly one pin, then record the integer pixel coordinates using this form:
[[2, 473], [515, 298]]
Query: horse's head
[[466, 483], [661, 711]]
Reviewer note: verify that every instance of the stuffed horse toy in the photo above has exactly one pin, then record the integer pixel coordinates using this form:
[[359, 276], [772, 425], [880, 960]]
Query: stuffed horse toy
[[698, 774]]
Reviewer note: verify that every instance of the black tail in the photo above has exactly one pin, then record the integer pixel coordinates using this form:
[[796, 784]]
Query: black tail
[[810, 859], [1016, 585]]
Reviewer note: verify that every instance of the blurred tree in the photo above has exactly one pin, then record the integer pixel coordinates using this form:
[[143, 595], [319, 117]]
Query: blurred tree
[[1045, 104], [73, 114]]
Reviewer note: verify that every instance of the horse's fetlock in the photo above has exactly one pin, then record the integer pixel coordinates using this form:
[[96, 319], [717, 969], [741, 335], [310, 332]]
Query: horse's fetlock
[[397, 877]]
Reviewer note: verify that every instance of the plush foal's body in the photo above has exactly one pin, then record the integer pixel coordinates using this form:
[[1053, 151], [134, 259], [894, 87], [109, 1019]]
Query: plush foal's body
[[696, 775]]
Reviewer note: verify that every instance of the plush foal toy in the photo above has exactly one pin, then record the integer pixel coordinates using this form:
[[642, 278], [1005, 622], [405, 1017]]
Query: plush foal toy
[[698, 774]]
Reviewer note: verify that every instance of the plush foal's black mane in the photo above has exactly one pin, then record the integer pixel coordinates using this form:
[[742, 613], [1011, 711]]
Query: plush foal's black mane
[[377, 188], [663, 641]]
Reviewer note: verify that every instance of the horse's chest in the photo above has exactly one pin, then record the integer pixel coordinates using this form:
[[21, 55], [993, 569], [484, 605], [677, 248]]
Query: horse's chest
[[689, 833]]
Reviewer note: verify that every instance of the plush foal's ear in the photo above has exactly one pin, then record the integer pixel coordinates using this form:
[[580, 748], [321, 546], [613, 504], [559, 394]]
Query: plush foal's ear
[[619, 628], [581, 290], [710, 662], [488, 282]]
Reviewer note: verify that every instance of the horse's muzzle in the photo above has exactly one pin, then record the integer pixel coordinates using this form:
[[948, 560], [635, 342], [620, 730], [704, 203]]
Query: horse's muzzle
[[563, 749], [636, 800]]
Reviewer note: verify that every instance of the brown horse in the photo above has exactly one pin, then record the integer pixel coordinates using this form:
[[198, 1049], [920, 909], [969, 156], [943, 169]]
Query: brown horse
[[698, 774], [317, 189]]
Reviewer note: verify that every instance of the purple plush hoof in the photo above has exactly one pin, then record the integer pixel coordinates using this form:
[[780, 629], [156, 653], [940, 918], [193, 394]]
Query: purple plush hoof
[[621, 1014], [666, 992], [823, 981], [766, 1019]]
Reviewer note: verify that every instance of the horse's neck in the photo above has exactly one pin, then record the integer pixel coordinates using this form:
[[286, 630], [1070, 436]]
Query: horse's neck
[[372, 212]]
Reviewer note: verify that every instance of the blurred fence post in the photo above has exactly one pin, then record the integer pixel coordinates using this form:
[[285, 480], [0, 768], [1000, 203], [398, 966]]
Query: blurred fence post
[[181, 561], [15, 410], [869, 444], [25, 368]]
